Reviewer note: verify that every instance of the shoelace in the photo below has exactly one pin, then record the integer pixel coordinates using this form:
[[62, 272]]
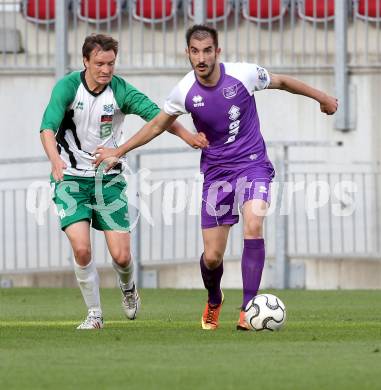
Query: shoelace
[[211, 313], [130, 299]]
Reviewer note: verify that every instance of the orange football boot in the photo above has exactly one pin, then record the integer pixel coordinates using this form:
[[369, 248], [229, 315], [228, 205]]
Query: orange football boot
[[209, 319], [242, 324]]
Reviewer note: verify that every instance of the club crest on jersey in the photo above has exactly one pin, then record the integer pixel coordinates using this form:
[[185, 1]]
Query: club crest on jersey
[[108, 108], [234, 113], [230, 92], [198, 101]]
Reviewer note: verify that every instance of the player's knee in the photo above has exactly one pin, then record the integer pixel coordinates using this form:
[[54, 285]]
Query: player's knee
[[82, 255], [212, 258], [253, 228], [122, 256]]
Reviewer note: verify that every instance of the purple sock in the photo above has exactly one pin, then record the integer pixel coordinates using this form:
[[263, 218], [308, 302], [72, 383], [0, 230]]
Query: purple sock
[[253, 259], [212, 281]]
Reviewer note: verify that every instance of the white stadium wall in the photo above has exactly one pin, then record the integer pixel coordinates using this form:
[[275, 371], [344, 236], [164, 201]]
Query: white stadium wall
[[283, 117]]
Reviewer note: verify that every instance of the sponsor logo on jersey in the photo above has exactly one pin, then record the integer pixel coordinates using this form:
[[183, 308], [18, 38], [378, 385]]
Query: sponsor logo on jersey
[[253, 157], [230, 92], [106, 126], [263, 189], [108, 108], [198, 101], [234, 113], [79, 106], [106, 118]]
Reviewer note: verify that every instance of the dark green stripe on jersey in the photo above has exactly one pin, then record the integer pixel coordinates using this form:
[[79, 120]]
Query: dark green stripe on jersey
[[63, 95]]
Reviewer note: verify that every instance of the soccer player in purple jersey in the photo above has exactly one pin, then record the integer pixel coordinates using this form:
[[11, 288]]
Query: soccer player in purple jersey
[[237, 171]]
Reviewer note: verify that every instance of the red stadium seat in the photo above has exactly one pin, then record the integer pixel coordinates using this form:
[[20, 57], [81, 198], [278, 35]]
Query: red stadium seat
[[216, 10], [368, 9], [154, 11], [316, 10], [95, 11], [264, 10], [39, 11]]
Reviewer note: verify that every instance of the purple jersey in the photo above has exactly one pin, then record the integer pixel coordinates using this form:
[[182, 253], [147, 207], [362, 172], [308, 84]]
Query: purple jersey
[[226, 113]]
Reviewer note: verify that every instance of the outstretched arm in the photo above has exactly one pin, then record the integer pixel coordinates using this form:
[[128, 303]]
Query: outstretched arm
[[149, 131], [328, 104], [196, 141]]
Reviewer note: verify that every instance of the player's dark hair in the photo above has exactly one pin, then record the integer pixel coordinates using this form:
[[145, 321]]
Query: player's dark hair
[[101, 41], [200, 32]]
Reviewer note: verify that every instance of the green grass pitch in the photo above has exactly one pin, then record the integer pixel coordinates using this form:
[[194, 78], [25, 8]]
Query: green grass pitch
[[332, 340]]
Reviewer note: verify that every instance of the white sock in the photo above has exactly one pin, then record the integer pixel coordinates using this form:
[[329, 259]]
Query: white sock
[[126, 275], [88, 281]]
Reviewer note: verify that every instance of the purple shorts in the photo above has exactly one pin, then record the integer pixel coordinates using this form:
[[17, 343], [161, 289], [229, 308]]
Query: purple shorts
[[225, 191]]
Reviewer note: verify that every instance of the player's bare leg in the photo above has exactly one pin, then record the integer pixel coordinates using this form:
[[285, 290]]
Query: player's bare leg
[[86, 273], [253, 256], [211, 264], [119, 246]]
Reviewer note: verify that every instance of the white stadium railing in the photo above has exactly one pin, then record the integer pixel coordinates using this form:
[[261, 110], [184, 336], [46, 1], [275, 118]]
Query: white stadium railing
[[317, 211]]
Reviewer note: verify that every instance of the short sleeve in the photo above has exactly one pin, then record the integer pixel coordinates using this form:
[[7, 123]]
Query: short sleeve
[[132, 101], [62, 96], [261, 77], [175, 103], [254, 77]]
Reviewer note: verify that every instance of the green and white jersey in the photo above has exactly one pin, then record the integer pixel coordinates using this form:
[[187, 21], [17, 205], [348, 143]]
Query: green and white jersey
[[83, 120]]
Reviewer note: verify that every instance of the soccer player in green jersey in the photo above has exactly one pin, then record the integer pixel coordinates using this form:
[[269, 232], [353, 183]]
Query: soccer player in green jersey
[[86, 110]]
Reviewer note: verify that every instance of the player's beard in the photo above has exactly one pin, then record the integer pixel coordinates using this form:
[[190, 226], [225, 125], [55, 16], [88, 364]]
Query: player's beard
[[211, 69]]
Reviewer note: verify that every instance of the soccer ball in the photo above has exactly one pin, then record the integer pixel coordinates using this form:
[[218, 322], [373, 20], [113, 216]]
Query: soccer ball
[[265, 312]]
